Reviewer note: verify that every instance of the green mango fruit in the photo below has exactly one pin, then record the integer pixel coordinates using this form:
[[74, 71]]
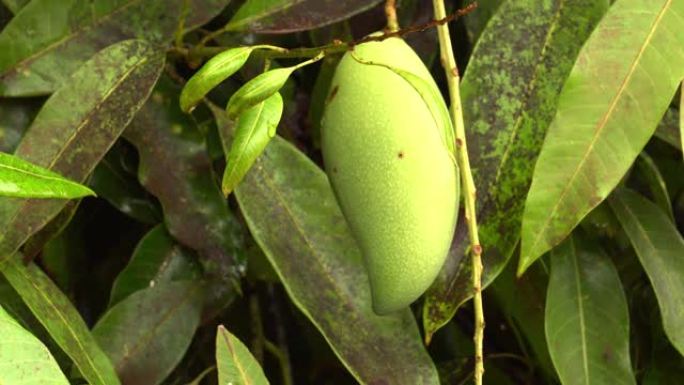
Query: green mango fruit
[[392, 171]]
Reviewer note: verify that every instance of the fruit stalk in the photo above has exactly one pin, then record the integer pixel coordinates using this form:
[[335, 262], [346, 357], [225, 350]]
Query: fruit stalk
[[452, 75], [391, 12]]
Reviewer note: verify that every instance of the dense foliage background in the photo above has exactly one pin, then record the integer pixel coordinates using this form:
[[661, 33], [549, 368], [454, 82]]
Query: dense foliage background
[[573, 101]]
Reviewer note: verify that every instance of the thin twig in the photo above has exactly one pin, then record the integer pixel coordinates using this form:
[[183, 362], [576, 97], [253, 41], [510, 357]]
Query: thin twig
[[337, 46], [468, 185], [391, 13]]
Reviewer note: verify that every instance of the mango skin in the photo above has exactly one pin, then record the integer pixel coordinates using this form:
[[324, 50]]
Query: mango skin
[[392, 174]]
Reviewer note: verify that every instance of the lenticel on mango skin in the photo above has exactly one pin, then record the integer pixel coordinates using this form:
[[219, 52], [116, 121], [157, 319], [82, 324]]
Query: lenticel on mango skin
[[392, 174]]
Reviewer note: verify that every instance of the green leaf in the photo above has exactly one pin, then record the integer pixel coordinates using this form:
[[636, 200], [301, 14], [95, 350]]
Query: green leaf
[[285, 16], [291, 211], [19, 178], [660, 249], [587, 321], [508, 104], [24, 358], [15, 117], [253, 131], [655, 182], [475, 22], [235, 363], [61, 319], [176, 168], [48, 40], [257, 90], [681, 116], [212, 73], [146, 334], [156, 260], [608, 109], [668, 128], [15, 5], [76, 127]]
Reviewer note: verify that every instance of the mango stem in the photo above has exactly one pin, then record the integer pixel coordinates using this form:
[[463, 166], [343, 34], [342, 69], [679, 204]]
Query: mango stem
[[469, 191], [391, 13]]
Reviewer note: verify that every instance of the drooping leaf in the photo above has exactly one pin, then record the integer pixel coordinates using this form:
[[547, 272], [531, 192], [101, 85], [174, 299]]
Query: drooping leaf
[[65, 325], [660, 249], [608, 109], [253, 131], [76, 127], [285, 16], [587, 321], [175, 167], [48, 40], [23, 358], [257, 90], [156, 260], [508, 103], [212, 73], [19, 178], [655, 182], [291, 211], [235, 363], [147, 333]]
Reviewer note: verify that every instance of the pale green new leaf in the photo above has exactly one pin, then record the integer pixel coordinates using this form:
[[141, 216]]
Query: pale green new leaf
[[660, 249], [19, 178], [253, 131], [620, 87], [212, 73], [257, 90], [586, 320], [235, 363], [23, 358]]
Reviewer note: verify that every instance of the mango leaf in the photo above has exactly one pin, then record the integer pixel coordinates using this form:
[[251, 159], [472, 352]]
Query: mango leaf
[[19, 178], [508, 104], [257, 90], [52, 229], [147, 333], [660, 249], [24, 358], [65, 325], [76, 127], [608, 110], [235, 363], [253, 131], [681, 116], [285, 16], [476, 21], [587, 321], [48, 40], [655, 182], [212, 73], [157, 259], [175, 167], [292, 213], [668, 129]]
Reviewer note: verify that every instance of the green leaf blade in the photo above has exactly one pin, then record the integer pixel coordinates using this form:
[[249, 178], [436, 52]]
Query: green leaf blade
[[587, 321], [235, 363], [23, 358], [147, 333], [49, 40], [61, 319], [19, 178], [292, 213], [212, 73], [76, 127], [608, 109], [257, 90], [660, 249], [253, 131], [508, 104]]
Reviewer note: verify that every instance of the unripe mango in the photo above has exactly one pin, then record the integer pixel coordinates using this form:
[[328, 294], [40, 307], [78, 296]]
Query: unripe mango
[[395, 179]]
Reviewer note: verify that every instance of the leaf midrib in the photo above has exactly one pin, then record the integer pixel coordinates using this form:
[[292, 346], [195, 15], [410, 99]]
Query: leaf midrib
[[580, 312], [601, 124]]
